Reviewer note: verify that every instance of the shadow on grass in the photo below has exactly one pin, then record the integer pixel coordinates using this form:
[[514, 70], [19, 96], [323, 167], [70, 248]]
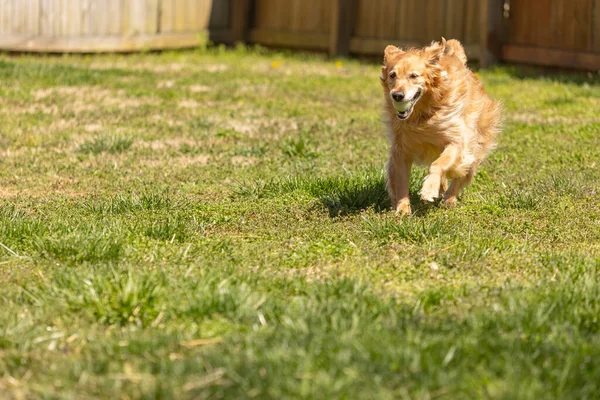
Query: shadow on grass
[[355, 198], [362, 194], [553, 74], [341, 195]]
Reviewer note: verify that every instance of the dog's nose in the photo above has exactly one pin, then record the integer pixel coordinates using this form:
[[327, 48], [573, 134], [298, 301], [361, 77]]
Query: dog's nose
[[398, 96]]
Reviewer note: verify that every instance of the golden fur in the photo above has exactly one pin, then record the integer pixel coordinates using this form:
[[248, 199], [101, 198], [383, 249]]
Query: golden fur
[[452, 123]]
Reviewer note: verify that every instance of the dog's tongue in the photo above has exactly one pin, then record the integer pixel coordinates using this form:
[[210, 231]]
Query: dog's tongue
[[401, 106]]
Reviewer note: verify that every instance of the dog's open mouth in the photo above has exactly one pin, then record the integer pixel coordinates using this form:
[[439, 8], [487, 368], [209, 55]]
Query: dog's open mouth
[[404, 109]]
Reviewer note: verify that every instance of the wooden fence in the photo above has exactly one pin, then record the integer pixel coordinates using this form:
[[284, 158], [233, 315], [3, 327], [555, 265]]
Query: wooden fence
[[110, 25], [549, 32], [563, 33], [365, 26]]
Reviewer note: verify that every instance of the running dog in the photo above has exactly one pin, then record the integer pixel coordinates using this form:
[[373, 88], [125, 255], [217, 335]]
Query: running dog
[[437, 113]]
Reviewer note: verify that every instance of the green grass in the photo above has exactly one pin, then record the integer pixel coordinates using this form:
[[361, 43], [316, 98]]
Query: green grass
[[110, 144], [205, 225]]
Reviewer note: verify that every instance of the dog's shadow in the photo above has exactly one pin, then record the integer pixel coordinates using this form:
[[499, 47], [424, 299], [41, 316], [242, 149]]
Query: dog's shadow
[[368, 195]]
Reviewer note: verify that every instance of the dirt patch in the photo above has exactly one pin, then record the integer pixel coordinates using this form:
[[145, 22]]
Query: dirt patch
[[41, 192], [243, 161], [531, 118], [189, 104], [159, 68], [36, 108], [178, 162], [214, 67], [169, 122], [55, 126], [84, 98], [199, 88], [91, 128], [168, 143], [166, 84]]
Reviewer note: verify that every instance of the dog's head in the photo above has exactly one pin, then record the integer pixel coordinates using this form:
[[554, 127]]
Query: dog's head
[[408, 75]]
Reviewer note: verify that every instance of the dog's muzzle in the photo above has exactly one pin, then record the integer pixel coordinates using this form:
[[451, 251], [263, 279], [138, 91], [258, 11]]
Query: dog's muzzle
[[404, 114]]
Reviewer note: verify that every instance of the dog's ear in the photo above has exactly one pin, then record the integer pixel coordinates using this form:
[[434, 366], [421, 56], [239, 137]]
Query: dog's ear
[[391, 51], [434, 51], [453, 47], [383, 76]]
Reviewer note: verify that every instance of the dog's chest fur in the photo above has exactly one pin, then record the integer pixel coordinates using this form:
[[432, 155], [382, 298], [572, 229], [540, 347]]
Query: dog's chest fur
[[425, 141]]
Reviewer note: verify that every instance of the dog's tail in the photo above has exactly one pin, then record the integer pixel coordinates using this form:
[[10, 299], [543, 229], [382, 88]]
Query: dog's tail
[[453, 47]]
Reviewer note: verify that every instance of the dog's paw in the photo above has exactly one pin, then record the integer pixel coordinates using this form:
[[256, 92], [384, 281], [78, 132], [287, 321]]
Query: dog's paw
[[403, 208], [450, 202], [431, 188]]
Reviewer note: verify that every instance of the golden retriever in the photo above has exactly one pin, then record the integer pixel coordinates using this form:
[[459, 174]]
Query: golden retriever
[[437, 113]]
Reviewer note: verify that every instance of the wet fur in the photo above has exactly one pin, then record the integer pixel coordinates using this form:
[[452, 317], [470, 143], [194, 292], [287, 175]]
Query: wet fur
[[452, 126]]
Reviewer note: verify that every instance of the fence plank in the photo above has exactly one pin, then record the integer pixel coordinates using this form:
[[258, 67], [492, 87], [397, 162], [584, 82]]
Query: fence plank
[[326, 12], [365, 24], [435, 12], [98, 18], [497, 31], [204, 13], [471, 22], [191, 13], [385, 19], [418, 14], [555, 26], [4, 26], [308, 41], [582, 23], [485, 20], [317, 20], [263, 15], [596, 27], [6, 17], [221, 14], [341, 18], [113, 8], [240, 20], [551, 57], [151, 16], [85, 19], [278, 15], [401, 30], [32, 18], [45, 18], [94, 44], [179, 15], [454, 23], [166, 15], [17, 19]]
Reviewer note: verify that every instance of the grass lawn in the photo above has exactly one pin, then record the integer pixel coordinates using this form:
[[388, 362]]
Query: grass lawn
[[214, 224]]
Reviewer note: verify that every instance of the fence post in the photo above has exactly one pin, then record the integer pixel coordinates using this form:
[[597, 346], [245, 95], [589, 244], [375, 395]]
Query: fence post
[[493, 31], [241, 12], [341, 24]]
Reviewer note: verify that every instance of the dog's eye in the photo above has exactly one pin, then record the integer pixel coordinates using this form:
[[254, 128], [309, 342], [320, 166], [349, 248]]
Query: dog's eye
[[413, 75], [393, 75]]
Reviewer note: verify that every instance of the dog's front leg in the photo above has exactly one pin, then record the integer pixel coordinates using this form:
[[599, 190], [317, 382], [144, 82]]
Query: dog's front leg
[[437, 172], [398, 175]]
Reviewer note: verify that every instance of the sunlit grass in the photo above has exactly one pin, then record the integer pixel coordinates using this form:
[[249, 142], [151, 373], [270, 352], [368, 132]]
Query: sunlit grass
[[215, 224]]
